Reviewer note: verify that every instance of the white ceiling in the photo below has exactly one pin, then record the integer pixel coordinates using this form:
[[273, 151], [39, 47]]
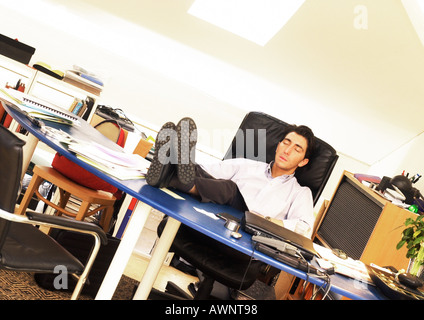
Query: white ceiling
[[362, 78]]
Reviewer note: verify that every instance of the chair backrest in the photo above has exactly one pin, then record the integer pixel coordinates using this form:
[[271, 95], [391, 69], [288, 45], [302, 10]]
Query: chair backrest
[[11, 156], [257, 138], [111, 129]]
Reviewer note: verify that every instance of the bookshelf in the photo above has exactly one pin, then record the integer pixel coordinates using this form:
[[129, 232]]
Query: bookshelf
[[42, 86]]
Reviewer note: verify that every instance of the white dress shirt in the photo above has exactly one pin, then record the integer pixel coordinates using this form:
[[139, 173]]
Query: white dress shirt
[[281, 198]]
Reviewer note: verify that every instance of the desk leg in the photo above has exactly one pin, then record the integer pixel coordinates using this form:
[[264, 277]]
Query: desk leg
[[124, 251], [28, 150], [157, 259]]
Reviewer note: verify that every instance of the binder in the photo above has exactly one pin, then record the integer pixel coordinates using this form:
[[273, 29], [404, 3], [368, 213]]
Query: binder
[[37, 108]]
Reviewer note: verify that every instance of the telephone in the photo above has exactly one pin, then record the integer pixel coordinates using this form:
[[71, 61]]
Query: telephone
[[395, 285]]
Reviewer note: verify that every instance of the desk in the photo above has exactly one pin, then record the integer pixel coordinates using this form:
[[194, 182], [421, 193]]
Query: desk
[[179, 211]]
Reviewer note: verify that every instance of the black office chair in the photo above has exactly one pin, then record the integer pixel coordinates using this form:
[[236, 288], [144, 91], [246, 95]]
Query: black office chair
[[219, 262], [314, 175], [23, 247]]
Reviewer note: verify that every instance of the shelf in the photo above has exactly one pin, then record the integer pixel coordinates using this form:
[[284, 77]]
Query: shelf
[[42, 85]]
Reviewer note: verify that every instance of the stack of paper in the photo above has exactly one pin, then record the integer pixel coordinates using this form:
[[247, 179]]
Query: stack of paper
[[349, 267], [121, 165], [84, 79]]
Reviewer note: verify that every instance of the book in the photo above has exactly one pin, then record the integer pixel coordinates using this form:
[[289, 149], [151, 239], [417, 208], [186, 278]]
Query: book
[[74, 105], [92, 79], [78, 107], [89, 75], [121, 173], [121, 165], [76, 79], [37, 108]]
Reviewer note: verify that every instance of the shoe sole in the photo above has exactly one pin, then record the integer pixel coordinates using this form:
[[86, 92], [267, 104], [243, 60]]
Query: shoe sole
[[160, 168], [187, 139]]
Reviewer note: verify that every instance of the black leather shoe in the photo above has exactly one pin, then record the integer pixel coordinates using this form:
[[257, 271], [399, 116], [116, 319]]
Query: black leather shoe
[[187, 139], [162, 168]]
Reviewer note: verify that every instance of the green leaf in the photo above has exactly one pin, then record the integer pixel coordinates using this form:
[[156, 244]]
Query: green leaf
[[409, 221], [416, 233], [408, 232], [411, 253], [418, 241], [400, 244]]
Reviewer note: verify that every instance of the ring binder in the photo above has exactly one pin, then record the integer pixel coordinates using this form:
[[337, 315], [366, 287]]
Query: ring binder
[[37, 108]]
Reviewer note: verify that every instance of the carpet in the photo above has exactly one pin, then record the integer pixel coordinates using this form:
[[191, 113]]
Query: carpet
[[22, 286]]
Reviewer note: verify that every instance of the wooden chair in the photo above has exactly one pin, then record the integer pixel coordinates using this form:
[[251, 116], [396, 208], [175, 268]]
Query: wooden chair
[[92, 201], [100, 199]]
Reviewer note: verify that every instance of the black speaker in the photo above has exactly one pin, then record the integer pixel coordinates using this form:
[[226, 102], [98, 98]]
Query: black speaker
[[350, 219]]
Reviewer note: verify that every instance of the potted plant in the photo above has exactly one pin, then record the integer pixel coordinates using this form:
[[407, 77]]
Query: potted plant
[[413, 237]]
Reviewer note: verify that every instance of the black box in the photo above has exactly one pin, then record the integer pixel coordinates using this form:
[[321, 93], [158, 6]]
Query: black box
[[15, 50]]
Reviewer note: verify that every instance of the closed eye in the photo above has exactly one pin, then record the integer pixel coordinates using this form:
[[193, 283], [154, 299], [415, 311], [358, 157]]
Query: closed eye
[[298, 148]]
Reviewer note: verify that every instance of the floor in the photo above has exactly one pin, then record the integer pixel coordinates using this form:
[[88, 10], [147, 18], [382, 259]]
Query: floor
[[137, 264]]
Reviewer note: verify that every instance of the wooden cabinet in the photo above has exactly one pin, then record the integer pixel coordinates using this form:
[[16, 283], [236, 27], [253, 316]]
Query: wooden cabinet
[[364, 224], [360, 222], [12, 71], [42, 85]]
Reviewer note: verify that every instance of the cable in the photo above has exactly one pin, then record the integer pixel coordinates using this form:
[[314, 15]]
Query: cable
[[317, 274], [327, 282], [247, 268], [298, 261]]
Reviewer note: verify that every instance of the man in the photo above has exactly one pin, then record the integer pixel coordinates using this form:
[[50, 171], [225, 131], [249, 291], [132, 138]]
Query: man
[[270, 190]]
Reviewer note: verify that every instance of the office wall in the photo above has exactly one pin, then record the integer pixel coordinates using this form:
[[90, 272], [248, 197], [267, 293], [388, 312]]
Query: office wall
[[133, 75], [408, 158], [155, 80]]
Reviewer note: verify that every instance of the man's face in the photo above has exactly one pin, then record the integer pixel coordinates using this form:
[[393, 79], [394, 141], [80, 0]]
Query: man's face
[[290, 154]]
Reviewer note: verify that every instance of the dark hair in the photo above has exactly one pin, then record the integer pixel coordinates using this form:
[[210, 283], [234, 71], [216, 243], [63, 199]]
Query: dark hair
[[305, 132]]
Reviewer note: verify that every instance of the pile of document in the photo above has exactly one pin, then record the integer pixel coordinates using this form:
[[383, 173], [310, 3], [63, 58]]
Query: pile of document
[[120, 164], [346, 266], [84, 79]]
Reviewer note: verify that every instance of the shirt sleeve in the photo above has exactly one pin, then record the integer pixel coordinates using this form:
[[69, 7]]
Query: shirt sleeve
[[302, 209], [225, 169]]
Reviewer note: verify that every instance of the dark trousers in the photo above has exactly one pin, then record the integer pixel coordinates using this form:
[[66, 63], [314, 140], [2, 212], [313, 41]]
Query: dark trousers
[[220, 191]]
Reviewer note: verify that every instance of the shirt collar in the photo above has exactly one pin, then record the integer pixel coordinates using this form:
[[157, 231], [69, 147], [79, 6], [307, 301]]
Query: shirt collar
[[283, 177]]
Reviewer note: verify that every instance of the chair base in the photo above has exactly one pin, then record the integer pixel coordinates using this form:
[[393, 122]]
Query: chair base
[[173, 292], [205, 291]]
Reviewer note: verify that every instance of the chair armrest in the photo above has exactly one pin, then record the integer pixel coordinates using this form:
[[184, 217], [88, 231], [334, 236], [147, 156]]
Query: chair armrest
[[75, 225]]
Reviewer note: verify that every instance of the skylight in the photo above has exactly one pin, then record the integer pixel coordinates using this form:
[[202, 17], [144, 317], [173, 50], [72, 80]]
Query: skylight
[[255, 20], [415, 11]]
